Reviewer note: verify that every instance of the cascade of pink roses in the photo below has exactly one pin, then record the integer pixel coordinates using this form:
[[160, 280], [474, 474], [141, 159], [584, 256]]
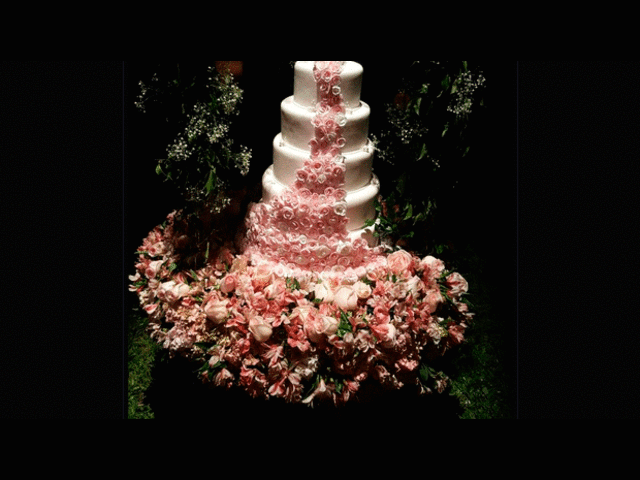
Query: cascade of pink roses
[[305, 227]]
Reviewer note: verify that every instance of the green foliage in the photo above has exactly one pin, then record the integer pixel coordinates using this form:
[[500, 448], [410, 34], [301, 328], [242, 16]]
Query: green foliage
[[202, 160], [424, 143], [345, 324], [141, 354]]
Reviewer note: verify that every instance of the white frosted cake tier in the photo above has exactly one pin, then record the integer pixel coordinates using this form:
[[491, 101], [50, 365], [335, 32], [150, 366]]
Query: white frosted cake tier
[[298, 129], [288, 160], [305, 88], [360, 202]]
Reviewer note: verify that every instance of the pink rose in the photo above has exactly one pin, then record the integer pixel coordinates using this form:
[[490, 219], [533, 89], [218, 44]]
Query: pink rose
[[240, 265], [346, 299], [433, 268], [216, 310], [323, 292], [262, 276], [319, 326], [229, 284], [260, 329], [172, 292], [457, 285], [276, 290], [362, 290], [400, 263]]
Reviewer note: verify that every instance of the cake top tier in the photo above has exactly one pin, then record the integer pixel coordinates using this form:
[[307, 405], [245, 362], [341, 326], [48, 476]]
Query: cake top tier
[[305, 91]]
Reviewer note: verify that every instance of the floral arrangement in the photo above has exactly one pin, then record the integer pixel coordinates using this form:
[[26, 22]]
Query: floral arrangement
[[304, 339], [300, 311]]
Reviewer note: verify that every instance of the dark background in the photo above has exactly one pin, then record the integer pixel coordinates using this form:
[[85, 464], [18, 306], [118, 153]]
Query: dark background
[[80, 193]]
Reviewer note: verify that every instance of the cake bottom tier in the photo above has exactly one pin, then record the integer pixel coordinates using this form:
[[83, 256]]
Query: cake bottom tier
[[360, 203]]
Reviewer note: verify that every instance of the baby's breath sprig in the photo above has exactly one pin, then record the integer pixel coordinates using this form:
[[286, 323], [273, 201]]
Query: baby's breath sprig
[[202, 160]]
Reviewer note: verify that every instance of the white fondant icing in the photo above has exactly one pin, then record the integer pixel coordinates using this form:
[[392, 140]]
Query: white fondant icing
[[360, 202], [298, 131], [288, 160], [305, 88]]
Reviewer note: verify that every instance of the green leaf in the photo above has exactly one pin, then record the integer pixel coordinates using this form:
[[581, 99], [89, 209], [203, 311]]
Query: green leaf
[[409, 214], [211, 181], [417, 105], [172, 267], [204, 346], [423, 153], [446, 82], [345, 325], [293, 284], [424, 373]]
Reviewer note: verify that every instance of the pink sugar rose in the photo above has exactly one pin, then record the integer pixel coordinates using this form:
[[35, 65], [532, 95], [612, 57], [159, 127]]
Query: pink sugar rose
[[400, 263], [260, 329], [153, 269], [346, 299]]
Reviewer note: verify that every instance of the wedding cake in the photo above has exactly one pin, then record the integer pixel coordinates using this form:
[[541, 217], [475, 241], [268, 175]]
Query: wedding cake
[[310, 308], [320, 191]]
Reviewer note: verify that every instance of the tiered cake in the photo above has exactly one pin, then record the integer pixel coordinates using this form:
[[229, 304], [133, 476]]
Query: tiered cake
[[312, 308], [320, 190]]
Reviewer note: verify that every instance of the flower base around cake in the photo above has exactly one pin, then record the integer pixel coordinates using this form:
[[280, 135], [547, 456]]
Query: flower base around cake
[[300, 335]]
